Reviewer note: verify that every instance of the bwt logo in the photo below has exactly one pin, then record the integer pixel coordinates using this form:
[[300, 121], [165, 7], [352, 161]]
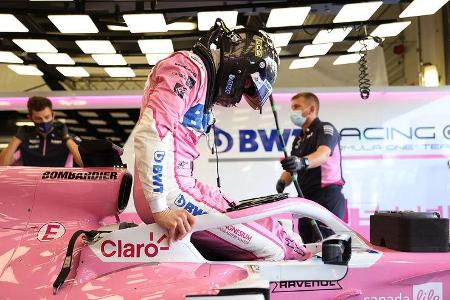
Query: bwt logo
[[181, 202], [229, 85], [119, 248], [158, 158], [251, 140]]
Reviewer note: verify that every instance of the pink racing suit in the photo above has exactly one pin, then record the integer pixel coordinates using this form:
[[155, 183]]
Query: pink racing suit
[[172, 120]]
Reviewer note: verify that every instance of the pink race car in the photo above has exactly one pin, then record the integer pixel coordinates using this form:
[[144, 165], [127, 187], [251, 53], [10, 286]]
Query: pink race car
[[43, 211]]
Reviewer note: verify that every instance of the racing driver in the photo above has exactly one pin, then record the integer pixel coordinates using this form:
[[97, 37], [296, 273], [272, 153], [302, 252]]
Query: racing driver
[[175, 113]]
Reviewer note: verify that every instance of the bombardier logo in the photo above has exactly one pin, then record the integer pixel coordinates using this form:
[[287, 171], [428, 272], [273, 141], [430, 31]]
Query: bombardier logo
[[79, 175], [158, 157], [181, 202]]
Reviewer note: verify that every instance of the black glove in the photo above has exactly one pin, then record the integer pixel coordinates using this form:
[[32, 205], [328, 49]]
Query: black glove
[[280, 186], [293, 164]]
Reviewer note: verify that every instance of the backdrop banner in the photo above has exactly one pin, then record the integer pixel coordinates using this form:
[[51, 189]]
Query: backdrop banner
[[395, 147]]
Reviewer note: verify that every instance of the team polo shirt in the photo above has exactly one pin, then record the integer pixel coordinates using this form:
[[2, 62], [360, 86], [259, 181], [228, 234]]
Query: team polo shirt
[[330, 173], [44, 150]]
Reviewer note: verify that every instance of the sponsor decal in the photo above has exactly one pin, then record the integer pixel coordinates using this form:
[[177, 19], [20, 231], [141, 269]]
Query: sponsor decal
[[47, 175], [428, 291], [190, 82], [181, 75], [291, 244], [34, 141], [183, 165], [50, 231], [258, 46], [230, 83], [33, 146], [179, 90], [56, 142], [190, 207], [305, 285], [158, 158], [198, 61], [187, 69], [396, 297], [119, 248], [236, 233], [328, 129]]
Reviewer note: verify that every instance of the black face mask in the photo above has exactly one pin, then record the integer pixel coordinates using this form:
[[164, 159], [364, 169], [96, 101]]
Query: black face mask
[[44, 127]]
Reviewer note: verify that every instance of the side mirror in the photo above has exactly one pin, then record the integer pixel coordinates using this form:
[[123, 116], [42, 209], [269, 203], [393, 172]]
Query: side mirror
[[337, 249]]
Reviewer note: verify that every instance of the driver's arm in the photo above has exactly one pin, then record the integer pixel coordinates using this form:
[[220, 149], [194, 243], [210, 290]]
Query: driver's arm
[[154, 142], [7, 154]]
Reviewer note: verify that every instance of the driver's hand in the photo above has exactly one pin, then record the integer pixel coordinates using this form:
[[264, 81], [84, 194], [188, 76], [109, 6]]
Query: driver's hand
[[178, 222]]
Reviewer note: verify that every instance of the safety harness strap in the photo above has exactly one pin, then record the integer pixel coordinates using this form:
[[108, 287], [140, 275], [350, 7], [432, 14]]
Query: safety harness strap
[[67, 265]]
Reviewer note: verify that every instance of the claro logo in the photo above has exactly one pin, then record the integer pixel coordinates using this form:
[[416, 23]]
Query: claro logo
[[118, 248]]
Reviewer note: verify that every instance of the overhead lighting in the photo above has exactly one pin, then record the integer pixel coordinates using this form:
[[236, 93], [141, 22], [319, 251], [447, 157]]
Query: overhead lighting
[[347, 59], [358, 46], [50, 0], [430, 75], [280, 39], [91, 114], [126, 122], [153, 58], [105, 130], [117, 28], [303, 63], [331, 36], [97, 122], [56, 58], [24, 123], [357, 11], [290, 16], [278, 49], [120, 72], [11, 24], [318, 49], [73, 71], [156, 46], [206, 19], [109, 59], [390, 29], [9, 57], [68, 121], [26, 70], [119, 114], [35, 45], [93, 47], [138, 23], [73, 23], [77, 129], [182, 26], [422, 8]]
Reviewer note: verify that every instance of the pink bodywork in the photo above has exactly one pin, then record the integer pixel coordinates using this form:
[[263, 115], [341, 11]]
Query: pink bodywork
[[38, 216]]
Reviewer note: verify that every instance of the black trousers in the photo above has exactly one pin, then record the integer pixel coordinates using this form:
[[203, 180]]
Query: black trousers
[[331, 198]]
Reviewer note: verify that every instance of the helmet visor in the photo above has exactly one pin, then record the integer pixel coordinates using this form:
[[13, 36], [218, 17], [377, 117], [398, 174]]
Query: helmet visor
[[259, 91]]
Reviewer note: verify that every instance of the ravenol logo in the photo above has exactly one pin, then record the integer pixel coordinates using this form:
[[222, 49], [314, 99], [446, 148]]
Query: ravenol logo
[[158, 158], [181, 202]]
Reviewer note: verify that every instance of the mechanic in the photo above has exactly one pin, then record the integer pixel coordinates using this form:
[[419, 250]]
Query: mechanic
[[315, 156], [176, 111], [46, 144]]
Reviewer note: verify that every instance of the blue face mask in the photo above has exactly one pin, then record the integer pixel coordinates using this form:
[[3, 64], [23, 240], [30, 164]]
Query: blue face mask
[[44, 127], [297, 118]]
